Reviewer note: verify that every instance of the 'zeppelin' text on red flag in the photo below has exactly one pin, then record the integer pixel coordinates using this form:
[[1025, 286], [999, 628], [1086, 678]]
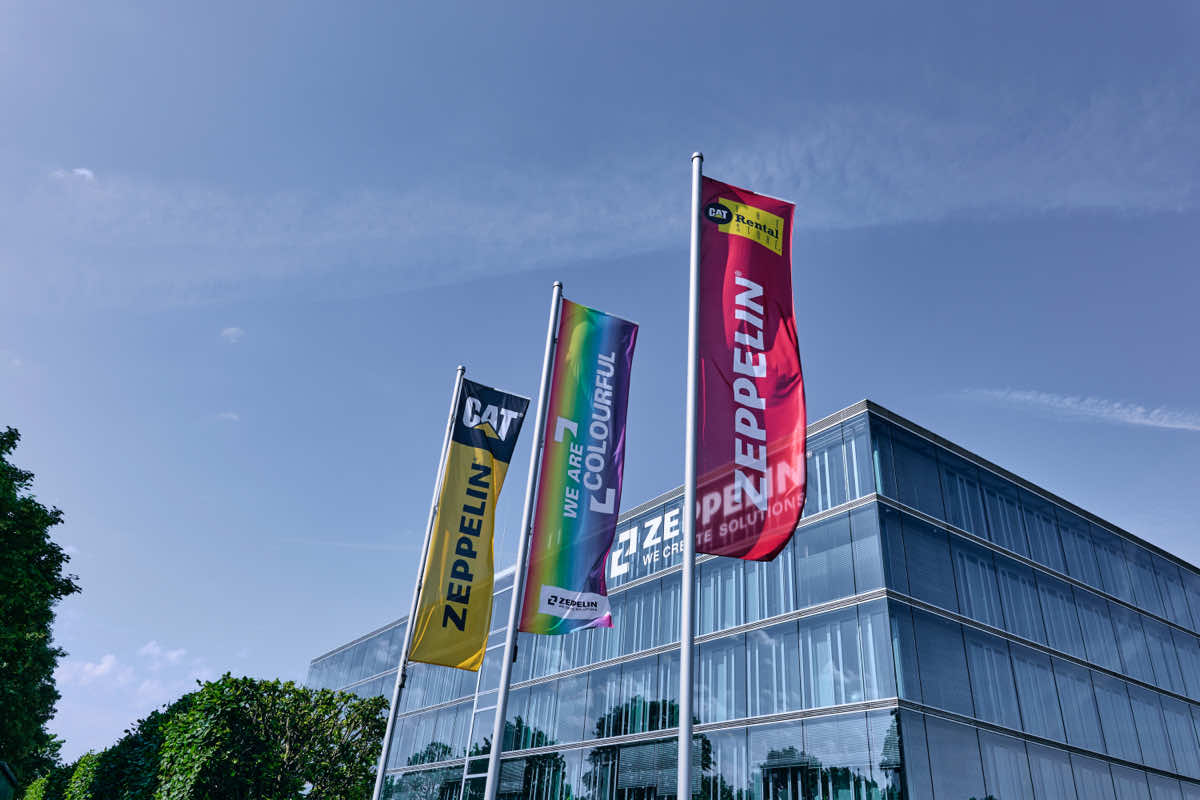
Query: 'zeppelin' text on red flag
[[750, 461]]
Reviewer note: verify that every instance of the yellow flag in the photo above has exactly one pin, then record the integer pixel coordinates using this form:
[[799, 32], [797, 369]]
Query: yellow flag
[[455, 606]]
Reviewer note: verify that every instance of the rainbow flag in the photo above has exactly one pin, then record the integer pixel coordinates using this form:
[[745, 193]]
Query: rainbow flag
[[579, 491]]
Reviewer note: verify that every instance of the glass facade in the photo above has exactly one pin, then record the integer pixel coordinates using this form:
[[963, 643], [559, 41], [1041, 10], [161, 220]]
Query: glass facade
[[937, 628]]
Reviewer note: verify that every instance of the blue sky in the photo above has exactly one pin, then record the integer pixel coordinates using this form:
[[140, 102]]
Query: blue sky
[[246, 245]]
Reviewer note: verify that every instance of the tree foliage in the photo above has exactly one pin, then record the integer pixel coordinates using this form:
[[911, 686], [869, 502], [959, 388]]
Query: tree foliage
[[237, 739], [32, 581]]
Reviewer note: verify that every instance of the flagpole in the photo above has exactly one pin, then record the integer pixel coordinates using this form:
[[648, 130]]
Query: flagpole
[[402, 670], [683, 787], [535, 469]]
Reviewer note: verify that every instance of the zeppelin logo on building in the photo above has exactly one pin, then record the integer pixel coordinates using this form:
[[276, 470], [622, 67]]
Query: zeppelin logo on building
[[743, 220]]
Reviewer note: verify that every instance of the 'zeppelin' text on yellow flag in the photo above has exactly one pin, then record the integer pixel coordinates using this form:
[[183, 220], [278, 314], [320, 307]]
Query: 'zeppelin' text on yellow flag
[[455, 606]]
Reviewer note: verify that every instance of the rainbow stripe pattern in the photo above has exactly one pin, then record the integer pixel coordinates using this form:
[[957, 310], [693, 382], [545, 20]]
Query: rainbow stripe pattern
[[579, 487]]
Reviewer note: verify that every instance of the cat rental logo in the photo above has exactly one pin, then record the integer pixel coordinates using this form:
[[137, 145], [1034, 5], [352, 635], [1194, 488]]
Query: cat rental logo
[[748, 222]]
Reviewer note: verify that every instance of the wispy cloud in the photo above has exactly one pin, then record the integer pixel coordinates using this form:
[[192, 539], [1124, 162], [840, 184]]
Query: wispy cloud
[[1095, 408], [385, 547], [157, 656], [232, 334], [130, 240], [229, 416], [79, 173]]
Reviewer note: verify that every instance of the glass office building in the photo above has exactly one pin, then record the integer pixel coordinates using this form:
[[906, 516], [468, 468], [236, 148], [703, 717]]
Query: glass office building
[[937, 628]]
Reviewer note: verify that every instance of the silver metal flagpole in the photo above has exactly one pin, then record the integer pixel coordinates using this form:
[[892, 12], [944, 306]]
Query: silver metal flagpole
[[687, 601], [535, 469], [401, 673]]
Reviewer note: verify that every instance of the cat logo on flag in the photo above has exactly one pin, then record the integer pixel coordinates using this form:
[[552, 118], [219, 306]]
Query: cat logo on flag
[[455, 607]]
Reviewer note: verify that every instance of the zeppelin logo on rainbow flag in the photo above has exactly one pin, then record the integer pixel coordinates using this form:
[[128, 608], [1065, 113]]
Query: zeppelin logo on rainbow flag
[[750, 460], [455, 606], [579, 493]]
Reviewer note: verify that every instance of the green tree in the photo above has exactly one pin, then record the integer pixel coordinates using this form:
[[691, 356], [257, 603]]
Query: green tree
[[245, 739], [32, 581]]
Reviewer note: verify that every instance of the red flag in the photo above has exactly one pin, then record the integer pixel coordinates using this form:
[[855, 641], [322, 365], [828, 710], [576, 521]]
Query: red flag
[[750, 437]]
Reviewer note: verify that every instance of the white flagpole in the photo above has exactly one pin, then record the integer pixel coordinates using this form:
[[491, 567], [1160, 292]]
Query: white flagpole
[[687, 601], [535, 469], [401, 672]]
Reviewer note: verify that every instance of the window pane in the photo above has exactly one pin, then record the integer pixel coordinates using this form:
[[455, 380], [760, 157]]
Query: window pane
[[1187, 647], [944, 681], [930, 575], [640, 616], [1131, 642], [960, 487], [881, 457], [1077, 545], [826, 472], [1191, 588], [1092, 778], [603, 702], [1058, 609], [829, 659], [1019, 596], [840, 758], [1005, 767], [904, 651], [667, 628], [721, 594], [724, 774], [916, 755], [1114, 571], [575, 648], [975, 575], [773, 659], [895, 569], [879, 679], [1163, 788], [1036, 690], [954, 759], [992, 679], [668, 690], [777, 759], [639, 690], [868, 552], [824, 568], [572, 708], [771, 585], [481, 732], [917, 473], [1116, 718], [1098, 637], [1170, 586], [1044, 544], [1078, 703], [721, 680], [858, 457], [1145, 585], [1162, 656], [1051, 770], [1182, 735], [501, 604], [883, 733], [1130, 783], [1005, 526], [1151, 729]]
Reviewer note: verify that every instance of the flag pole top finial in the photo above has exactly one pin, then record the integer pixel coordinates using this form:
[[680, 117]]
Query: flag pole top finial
[[558, 284], [698, 155]]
